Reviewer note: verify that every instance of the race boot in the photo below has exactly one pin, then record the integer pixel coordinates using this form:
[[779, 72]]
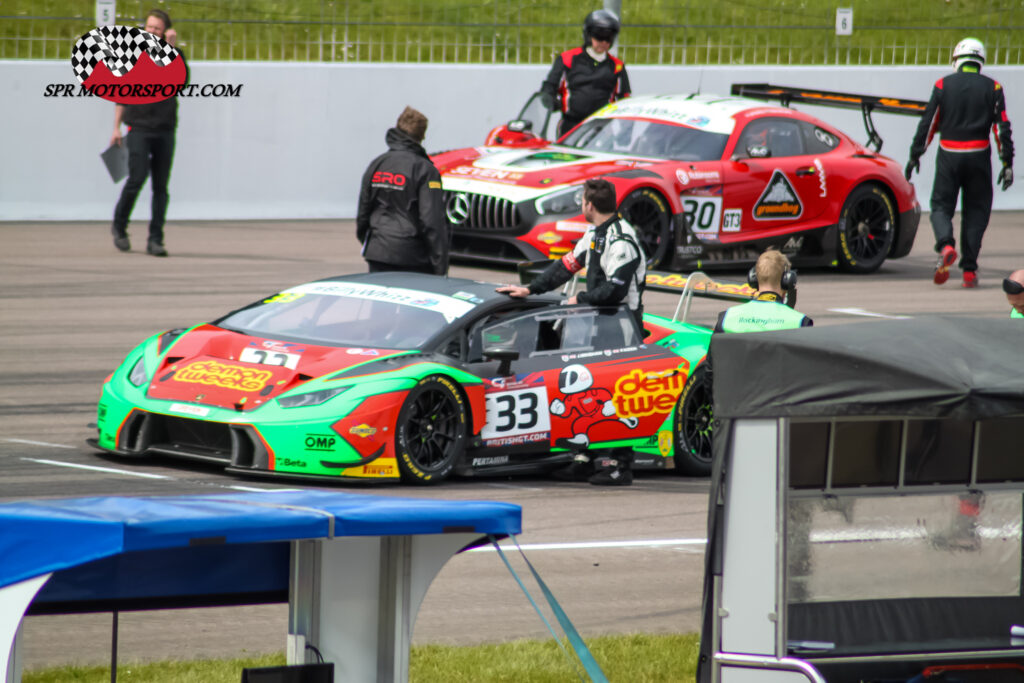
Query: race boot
[[947, 257], [615, 469], [580, 469]]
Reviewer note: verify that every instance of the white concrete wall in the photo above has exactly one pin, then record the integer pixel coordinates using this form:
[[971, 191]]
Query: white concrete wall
[[296, 141]]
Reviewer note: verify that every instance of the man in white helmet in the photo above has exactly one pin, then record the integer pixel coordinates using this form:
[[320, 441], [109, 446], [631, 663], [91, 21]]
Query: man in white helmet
[[964, 107]]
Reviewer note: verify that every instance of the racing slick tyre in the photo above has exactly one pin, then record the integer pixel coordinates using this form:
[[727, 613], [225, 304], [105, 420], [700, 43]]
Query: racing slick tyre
[[430, 434], [867, 228], [692, 427], [649, 213]]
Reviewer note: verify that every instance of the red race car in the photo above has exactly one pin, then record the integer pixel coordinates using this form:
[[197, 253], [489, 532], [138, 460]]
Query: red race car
[[706, 180]]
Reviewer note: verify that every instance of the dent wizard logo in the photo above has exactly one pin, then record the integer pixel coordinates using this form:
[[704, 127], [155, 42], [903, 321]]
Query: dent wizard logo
[[127, 65]]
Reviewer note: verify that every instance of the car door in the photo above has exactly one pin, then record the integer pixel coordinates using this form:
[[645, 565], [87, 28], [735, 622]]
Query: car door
[[771, 180], [583, 377]]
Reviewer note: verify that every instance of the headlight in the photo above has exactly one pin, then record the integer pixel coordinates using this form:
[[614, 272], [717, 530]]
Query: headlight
[[569, 200], [313, 398], [138, 376]]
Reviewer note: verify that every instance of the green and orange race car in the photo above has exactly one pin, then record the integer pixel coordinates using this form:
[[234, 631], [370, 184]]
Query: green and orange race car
[[414, 377]]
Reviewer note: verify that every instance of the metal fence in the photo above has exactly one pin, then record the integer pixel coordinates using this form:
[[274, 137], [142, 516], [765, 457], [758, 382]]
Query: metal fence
[[534, 31]]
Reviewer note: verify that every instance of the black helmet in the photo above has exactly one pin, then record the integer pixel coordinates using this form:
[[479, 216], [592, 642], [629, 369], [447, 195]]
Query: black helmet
[[600, 24]]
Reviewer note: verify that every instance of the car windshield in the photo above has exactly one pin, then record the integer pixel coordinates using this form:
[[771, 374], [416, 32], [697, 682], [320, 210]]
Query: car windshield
[[648, 139], [349, 314]]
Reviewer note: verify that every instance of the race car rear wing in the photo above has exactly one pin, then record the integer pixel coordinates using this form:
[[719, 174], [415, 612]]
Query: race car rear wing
[[827, 98], [688, 286]]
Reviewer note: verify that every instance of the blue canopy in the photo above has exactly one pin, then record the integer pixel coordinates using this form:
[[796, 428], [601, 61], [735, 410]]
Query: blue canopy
[[118, 552]]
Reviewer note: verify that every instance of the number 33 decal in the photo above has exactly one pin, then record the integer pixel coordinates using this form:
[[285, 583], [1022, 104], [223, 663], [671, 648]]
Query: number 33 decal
[[510, 413]]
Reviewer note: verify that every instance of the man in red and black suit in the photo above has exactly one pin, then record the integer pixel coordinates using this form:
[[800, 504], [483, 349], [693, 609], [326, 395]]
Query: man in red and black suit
[[584, 79]]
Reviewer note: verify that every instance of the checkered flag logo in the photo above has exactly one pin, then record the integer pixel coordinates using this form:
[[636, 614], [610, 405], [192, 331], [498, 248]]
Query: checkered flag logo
[[119, 47]]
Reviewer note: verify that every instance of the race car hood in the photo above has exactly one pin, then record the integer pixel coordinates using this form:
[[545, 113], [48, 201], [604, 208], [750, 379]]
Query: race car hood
[[215, 367], [521, 174]]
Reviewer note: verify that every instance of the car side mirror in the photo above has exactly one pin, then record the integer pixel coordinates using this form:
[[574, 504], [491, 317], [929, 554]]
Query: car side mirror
[[758, 152], [520, 126], [504, 355]]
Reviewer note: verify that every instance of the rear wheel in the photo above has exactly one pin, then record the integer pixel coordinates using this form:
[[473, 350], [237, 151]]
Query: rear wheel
[[693, 425], [867, 227], [649, 213], [431, 431]]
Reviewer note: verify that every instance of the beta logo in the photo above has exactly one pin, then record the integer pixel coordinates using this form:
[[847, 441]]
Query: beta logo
[[641, 393], [127, 65]]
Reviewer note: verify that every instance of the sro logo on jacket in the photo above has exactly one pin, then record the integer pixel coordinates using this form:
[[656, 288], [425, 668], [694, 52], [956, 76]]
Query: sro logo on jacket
[[388, 179]]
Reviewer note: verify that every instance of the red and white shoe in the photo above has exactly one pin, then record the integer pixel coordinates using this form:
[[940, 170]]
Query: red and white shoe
[[947, 257], [970, 279]]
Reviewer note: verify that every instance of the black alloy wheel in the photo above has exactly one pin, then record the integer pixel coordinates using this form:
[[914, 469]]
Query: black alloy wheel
[[431, 431], [694, 421], [867, 229], [649, 213]]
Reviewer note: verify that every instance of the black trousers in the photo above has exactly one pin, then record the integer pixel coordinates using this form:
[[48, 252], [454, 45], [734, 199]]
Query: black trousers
[[566, 124], [150, 154], [971, 173], [381, 267]]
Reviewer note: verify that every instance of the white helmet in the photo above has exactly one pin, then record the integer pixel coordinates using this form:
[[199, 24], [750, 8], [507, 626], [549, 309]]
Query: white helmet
[[968, 50]]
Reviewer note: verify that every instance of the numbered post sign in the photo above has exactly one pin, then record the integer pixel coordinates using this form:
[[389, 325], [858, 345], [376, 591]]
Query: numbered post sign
[[844, 21], [105, 12], [517, 413]]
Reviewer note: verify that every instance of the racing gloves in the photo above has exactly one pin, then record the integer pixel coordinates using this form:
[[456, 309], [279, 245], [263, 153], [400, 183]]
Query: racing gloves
[[913, 165], [1005, 178]]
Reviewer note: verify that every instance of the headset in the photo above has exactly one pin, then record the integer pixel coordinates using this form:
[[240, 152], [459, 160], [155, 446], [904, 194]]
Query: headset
[[1012, 286], [788, 281]]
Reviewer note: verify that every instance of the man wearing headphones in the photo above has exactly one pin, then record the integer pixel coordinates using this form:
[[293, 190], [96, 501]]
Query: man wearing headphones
[[584, 79], [965, 107], [1014, 288], [771, 276]]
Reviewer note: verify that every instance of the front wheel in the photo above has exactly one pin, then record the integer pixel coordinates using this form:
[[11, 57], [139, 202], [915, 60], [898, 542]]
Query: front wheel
[[648, 212], [867, 227], [430, 431], [693, 425]]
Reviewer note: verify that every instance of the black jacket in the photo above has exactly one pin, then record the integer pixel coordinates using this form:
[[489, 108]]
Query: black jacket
[[964, 108], [585, 85], [401, 218]]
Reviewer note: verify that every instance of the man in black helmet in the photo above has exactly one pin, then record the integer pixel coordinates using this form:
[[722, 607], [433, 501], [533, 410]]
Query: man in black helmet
[[964, 108], [584, 79]]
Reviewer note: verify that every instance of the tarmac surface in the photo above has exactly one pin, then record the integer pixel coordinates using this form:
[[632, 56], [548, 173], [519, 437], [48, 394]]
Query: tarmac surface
[[73, 307]]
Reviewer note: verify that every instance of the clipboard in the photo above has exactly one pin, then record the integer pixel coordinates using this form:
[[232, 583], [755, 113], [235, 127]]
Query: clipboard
[[115, 158]]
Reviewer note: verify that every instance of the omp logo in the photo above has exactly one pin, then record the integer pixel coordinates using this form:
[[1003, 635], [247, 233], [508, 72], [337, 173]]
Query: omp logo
[[127, 65], [223, 375], [640, 393], [320, 442]]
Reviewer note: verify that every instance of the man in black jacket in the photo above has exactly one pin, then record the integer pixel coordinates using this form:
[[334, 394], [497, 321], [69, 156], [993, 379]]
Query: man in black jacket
[[401, 222], [584, 79], [150, 152], [964, 107]]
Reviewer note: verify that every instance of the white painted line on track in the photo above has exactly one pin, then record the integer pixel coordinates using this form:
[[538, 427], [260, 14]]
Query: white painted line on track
[[655, 543], [94, 468], [38, 443], [869, 314], [253, 489]]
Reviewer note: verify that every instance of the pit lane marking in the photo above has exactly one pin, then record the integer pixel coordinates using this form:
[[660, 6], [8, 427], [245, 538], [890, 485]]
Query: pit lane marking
[[94, 468], [38, 443], [655, 543], [869, 314]]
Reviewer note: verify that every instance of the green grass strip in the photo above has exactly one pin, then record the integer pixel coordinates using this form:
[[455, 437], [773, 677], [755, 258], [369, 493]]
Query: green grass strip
[[640, 657]]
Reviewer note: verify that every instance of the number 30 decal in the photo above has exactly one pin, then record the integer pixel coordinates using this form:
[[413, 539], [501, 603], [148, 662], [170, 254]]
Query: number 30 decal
[[703, 214], [510, 413]]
